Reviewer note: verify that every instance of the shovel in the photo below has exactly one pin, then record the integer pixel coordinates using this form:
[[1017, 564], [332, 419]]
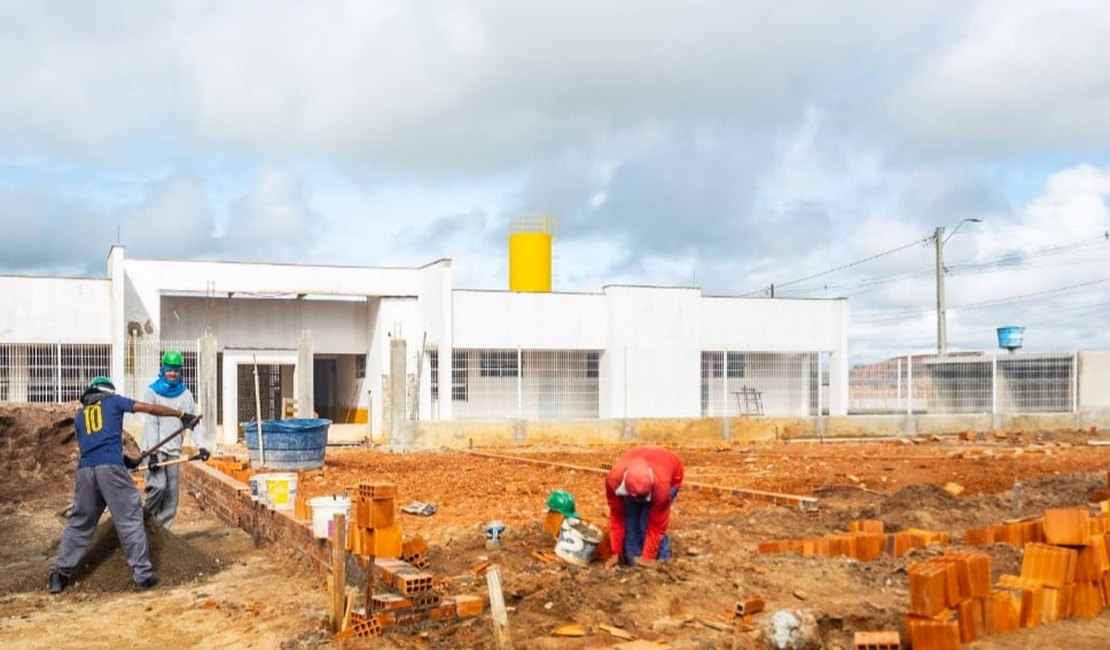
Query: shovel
[[167, 463]]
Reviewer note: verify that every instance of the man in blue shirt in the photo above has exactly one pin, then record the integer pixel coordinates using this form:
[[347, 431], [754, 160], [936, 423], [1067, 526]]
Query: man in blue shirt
[[103, 480]]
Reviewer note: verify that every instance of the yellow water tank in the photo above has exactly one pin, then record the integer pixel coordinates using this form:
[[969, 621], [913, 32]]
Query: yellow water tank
[[530, 254]]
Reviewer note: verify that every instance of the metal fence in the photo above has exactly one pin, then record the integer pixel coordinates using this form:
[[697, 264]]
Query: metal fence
[[59, 372], [142, 361], [489, 383], [776, 384], [52, 372], [968, 383]]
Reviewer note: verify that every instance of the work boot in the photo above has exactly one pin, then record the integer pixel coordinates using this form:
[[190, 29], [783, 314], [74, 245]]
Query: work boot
[[149, 583], [57, 581]]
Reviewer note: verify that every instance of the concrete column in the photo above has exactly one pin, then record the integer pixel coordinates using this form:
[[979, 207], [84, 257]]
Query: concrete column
[[398, 430], [302, 377], [207, 396]]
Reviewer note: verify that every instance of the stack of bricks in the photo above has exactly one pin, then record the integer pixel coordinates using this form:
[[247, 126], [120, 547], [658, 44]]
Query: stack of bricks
[[414, 550], [237, 469], [1030, 531], [951, 602], [864, 541], [1066, 576], [375, 530], [412, 600]]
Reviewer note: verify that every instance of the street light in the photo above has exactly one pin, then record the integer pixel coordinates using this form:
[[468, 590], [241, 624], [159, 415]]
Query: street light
[[942, 317]]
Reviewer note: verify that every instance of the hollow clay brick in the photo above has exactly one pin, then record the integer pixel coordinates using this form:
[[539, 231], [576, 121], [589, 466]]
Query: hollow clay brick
[[1067, 526], [877, 640], [927, 588], [866, 526], [935, 635], [1051, 566]]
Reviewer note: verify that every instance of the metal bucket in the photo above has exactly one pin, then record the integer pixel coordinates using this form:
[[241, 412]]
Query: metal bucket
[[577, 543]]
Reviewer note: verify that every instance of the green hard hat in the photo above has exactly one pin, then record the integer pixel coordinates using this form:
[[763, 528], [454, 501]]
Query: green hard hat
[[172, 358], [562, 502], [102, 381]]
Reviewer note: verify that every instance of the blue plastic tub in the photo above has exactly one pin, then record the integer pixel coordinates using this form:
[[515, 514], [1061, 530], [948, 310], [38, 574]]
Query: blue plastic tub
[[289, 444], [1011, 338]]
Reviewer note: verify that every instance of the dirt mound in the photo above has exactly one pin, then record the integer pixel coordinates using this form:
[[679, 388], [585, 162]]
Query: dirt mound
[[104, 570], [36, 458], [33, 457]]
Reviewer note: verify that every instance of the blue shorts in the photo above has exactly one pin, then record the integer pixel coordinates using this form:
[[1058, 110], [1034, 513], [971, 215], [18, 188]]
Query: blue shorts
[[636, 515]]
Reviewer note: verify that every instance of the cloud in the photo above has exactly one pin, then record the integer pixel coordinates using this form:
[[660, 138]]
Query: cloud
[[272, 222], [1018, 76]]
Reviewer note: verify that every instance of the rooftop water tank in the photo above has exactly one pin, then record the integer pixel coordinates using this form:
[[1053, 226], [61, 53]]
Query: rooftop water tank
[[530, 253], [1011, 337]]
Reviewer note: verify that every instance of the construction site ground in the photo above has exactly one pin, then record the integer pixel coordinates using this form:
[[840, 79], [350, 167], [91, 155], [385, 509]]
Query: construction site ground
[[221, 589]]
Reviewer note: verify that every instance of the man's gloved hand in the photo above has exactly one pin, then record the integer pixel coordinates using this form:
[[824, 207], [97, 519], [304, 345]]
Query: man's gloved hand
[[203, 454], [189, 420], [130, 463]]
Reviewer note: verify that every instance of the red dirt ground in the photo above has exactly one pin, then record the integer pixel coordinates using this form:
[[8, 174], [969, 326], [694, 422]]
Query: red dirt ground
[[263, 599]]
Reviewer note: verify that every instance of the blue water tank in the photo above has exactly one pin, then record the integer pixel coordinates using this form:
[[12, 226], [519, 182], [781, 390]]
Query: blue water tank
[[298, 443], [1011, 337]]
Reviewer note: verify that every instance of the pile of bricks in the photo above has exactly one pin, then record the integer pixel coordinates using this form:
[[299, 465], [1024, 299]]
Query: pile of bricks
[[864, 541], [1066, 574], [374, 530], [237, 469], [1029, 531], [412, 599], [951, 602]]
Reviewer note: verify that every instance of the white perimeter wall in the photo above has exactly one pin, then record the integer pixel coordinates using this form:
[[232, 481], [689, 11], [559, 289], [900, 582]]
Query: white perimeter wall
[[53, 310], [651, 338]]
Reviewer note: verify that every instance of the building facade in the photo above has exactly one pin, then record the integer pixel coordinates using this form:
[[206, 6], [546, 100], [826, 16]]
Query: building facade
[[325, 340]]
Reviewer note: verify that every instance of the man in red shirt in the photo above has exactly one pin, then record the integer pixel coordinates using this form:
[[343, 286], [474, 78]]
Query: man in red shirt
[[640, 489]]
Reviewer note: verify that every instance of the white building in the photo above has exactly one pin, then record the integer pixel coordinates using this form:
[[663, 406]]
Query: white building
[[624, 352]]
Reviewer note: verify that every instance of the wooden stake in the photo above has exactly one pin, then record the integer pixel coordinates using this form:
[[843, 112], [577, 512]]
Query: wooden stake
[[338, 572], [370, 586], [348, 605], [498, 615]]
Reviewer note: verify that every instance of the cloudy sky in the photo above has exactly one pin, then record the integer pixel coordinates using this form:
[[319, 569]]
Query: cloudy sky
[[725, 144]]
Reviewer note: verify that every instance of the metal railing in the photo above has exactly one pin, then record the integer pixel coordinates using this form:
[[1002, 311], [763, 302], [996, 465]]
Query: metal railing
[[967, 383], [490, 383], [50, 373], [59, 372], [775, 384]]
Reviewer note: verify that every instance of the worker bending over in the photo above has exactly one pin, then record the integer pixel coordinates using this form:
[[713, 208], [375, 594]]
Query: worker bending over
[[640, 489]]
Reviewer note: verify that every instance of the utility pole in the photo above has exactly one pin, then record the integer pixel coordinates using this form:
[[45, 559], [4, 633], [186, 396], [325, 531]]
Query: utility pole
[[942, 315], [942, 325]]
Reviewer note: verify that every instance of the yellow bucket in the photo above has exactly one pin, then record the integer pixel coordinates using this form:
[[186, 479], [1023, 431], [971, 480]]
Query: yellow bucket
[[281, 490]]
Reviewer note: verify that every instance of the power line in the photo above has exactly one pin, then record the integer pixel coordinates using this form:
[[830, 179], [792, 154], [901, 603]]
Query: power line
[[846, 266], [880, 316]]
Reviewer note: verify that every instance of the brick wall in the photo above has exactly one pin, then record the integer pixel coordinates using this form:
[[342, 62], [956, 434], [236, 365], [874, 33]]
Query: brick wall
[[231, 502]]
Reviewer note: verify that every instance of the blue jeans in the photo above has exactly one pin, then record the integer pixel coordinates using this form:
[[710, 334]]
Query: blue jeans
[[635, 529]]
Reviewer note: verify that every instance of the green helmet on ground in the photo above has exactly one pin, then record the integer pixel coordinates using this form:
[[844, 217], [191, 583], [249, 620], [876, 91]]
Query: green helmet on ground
[[102, 381], [172, 358], [562, 502]]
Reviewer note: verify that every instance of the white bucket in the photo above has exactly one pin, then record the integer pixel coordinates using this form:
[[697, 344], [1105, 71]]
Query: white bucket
[[258, 487], [281, 490], [577, 542], [324, 509]]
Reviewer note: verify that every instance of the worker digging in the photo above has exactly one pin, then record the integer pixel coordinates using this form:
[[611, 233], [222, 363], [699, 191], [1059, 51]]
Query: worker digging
[[103, 481]]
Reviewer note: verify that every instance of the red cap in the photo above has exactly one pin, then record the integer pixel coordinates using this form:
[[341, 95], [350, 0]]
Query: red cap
[[638, 478]]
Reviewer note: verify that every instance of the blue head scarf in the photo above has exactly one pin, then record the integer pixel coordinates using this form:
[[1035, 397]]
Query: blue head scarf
[[165, 387]]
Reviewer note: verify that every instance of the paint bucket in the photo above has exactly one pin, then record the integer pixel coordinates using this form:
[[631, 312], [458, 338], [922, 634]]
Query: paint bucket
[[494, 529], [324, 509], [577, 543], [281, 490]]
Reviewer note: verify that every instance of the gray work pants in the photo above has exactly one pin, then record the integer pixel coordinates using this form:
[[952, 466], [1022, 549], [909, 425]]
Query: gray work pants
[[162, 490], [97, 487]]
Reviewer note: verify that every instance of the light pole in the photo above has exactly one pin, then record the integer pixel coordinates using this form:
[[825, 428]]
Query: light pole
[[942, 316]]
